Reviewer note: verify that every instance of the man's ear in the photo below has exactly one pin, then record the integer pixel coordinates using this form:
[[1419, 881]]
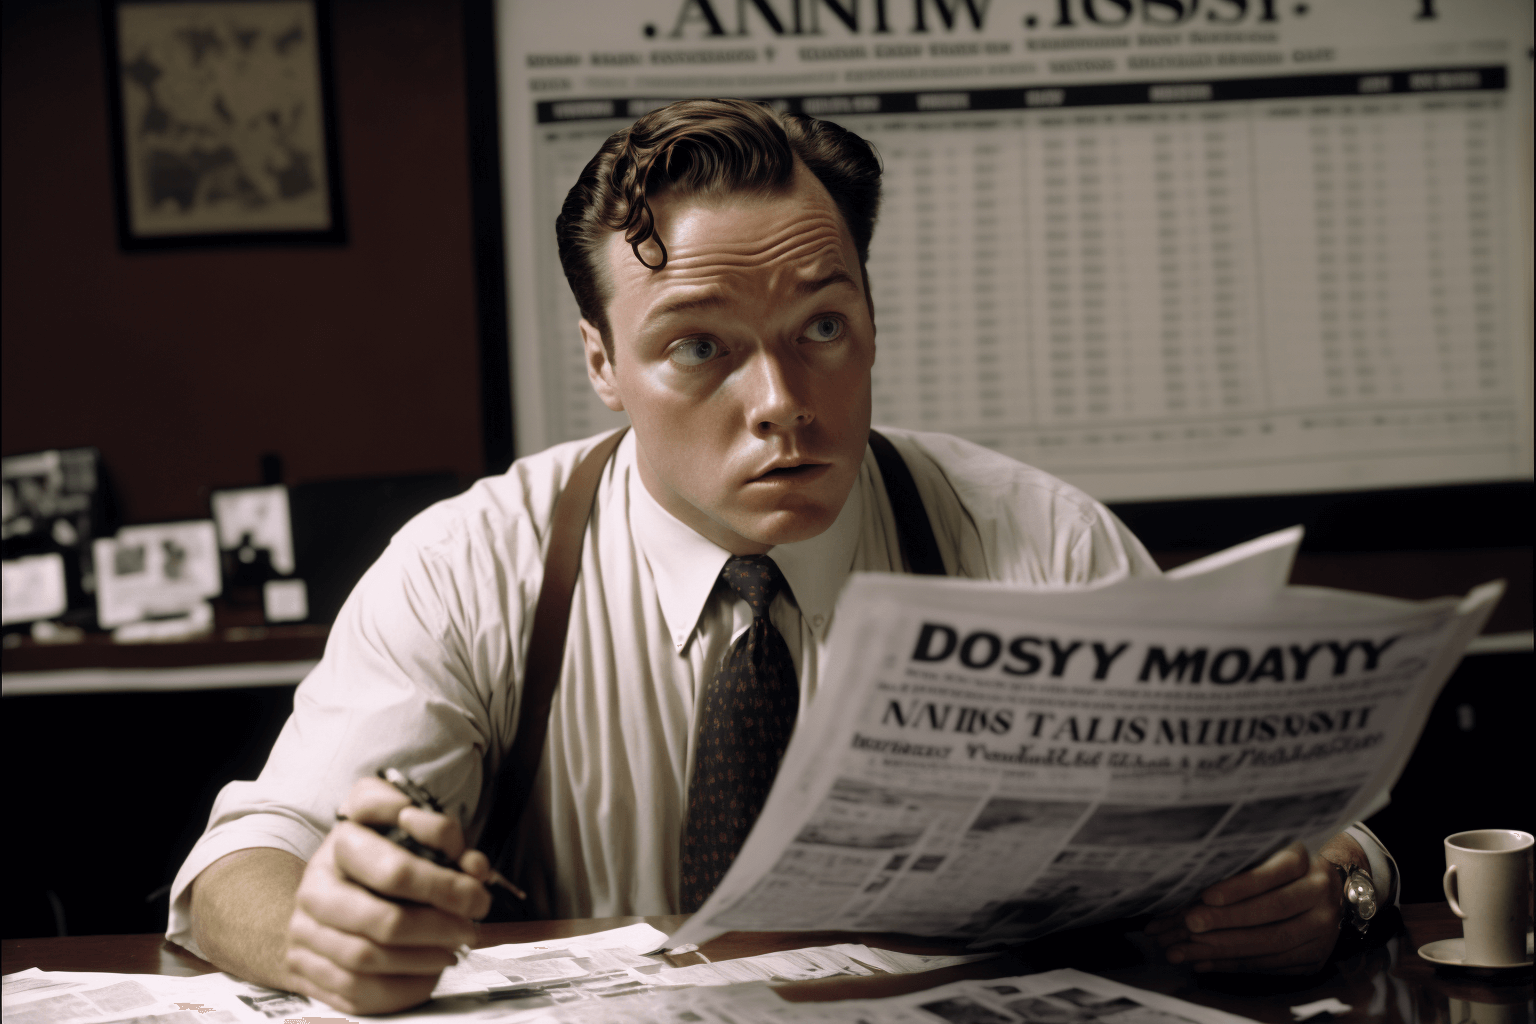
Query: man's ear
[[600, 367]]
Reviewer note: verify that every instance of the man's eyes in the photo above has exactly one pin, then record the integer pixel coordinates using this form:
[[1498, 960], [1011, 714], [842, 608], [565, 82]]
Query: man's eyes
[[698, 351], [824, 328], [695, 351]]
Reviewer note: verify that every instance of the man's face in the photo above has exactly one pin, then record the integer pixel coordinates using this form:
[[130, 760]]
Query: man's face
[[745, 364]]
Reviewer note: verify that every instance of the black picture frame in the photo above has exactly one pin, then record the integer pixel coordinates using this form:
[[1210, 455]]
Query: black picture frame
[[207, 179]]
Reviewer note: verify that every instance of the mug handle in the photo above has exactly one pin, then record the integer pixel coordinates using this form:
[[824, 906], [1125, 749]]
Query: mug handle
[[1450, 897]]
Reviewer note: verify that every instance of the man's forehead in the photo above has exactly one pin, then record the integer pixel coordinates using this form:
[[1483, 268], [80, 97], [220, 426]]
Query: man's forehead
[[796, 234]]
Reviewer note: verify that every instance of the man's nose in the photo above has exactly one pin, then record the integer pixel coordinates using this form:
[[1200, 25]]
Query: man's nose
[[777, 394]]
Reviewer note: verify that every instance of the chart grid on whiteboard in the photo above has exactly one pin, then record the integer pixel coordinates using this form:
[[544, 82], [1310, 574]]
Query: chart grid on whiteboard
[[1261, 284]]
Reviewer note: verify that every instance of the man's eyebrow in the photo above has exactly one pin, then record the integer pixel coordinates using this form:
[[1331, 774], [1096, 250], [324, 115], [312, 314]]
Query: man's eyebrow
[[708, 301], [836, 277], [683, 305]]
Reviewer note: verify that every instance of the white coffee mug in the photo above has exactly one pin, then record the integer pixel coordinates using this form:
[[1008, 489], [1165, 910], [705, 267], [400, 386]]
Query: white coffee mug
[[1487, 883]]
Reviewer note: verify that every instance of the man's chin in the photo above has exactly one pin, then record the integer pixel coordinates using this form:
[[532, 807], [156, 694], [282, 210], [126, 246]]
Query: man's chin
[[785, 526]]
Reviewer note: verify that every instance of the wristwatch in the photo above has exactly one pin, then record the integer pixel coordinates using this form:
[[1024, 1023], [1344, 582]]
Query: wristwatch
[[1359, 905]]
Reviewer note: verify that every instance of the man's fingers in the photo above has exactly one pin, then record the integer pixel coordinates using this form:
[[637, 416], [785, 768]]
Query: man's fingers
[[1268, 940], [349, 907], [356, 993], [1289, 926], [392, 871], [476, 864], [388, 870], [374, 924], [373, 801], [1288, 865], [1279, 904], [435, 830], [360, 955], [393, 924]]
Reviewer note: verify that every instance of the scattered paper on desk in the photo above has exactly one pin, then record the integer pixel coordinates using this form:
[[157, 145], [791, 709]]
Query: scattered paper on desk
[[34, 997], [1306, 1011], [52, 997], [1054, 995], [527, 965], [567, 970], [913, 963], [514, 983], [478, 983], [787, 965], [32, 980]]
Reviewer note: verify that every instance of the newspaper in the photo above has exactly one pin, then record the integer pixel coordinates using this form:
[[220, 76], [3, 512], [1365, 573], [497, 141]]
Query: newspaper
[[509, 984], [998, 763], [1054, 997]]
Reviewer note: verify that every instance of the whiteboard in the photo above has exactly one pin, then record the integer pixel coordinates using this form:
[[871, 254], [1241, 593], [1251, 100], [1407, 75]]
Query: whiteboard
[[1160, 248]]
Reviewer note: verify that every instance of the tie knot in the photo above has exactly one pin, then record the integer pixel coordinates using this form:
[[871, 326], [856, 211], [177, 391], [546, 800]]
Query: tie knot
[[755, 579]]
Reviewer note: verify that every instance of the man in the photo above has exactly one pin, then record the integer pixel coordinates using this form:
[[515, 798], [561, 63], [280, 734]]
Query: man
[[717, 253]]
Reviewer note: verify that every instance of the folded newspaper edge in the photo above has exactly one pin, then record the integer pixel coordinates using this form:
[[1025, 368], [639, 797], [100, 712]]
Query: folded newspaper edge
[[998, 763]]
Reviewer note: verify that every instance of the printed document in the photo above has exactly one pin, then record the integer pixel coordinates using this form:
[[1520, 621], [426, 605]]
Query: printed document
[[998, 763]]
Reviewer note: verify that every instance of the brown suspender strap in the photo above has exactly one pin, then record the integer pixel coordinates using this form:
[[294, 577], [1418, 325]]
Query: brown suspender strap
[[912, 525], [552, 617], [546, 647]]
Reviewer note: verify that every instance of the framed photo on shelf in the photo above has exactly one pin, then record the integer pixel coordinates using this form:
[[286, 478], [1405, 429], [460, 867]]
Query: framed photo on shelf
[[159, 570], [223, 123]]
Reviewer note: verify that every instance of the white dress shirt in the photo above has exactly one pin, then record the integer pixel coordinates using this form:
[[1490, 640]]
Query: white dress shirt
[[423, 666]]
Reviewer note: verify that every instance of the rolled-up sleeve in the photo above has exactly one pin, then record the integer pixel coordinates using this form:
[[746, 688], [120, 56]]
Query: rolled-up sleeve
[[414, 676]]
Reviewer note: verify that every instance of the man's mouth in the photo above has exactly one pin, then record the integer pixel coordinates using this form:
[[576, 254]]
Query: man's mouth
[[795, 472]]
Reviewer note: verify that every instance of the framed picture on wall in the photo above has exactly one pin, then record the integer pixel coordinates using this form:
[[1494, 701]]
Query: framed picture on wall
[[223, 123]]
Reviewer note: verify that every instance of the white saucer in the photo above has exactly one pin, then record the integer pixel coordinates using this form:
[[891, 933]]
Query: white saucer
[[1453, 953]]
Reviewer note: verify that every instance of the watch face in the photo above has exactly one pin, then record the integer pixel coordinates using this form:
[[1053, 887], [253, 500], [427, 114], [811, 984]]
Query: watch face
[[1361, 894], [1366, 907]]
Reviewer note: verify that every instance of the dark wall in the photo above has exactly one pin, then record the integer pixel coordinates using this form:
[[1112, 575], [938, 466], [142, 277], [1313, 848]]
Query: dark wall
[[183, 367]]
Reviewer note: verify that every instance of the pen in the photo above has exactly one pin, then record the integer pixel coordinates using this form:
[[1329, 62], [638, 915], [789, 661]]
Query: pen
[[421, 798]]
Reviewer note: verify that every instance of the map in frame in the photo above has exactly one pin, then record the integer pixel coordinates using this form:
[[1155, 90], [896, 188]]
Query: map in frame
[[223, 120]]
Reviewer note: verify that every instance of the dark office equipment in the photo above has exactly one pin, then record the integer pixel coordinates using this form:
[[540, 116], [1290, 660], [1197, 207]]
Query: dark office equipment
[[1490, 515], [122, 819], [340, 527]]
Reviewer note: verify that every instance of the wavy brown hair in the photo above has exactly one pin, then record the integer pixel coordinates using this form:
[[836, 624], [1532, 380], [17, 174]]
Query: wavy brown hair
[[701, 147]]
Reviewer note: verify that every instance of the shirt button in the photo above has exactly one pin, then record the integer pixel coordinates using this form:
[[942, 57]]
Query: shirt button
[[818, 620]]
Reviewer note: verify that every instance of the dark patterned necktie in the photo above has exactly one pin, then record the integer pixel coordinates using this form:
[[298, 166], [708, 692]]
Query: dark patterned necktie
[[744, 726]]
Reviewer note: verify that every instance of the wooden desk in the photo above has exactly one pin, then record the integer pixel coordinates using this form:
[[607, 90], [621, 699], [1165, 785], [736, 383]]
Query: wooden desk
[[1391, 985]]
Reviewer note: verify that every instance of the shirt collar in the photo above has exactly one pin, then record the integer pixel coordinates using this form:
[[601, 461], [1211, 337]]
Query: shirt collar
[[816, 569], [686, 566]]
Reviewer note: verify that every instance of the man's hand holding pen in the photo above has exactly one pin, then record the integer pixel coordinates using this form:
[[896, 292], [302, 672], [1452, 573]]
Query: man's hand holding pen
[[373, 924]]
